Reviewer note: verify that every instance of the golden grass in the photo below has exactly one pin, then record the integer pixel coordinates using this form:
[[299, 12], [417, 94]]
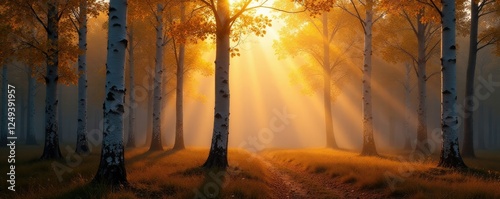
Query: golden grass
[[176, 174], [394, 176], [166, 174]]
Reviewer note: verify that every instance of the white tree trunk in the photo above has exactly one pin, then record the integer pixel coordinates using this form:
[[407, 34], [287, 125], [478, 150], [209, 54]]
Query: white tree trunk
[[3, 130], [30, 137], [51, 148], [368, 140], [179, 120], [81, 132], [157, 102], [131, 121], [450, 153], [218, 148], [112, 164]]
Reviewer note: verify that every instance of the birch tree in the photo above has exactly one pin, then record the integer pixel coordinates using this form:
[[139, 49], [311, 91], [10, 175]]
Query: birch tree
[[156, 143], [79, 17], [112, 163], [81, 132], [218, 149], [161, 28], [366, 20], [58, 50], [450, 154], [51, 149], [227, 17]]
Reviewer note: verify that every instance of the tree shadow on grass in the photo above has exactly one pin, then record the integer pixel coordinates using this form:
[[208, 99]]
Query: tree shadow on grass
[[481, 173], [151, 156], [213, 183]]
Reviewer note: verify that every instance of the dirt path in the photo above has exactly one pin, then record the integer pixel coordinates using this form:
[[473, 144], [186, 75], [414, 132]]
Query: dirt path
[[282, 184], [289, 182]]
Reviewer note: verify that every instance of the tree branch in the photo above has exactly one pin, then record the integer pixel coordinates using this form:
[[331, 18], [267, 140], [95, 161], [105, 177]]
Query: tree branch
[[432, 74]]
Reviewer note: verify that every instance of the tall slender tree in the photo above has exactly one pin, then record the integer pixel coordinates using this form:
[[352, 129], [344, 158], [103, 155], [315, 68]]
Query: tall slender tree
[[179, 94], [112, 164], [370, 16], [225, 18], [81, 132], [51, 149], [57, 48], [326, 42], [450, 153], [417, 43], [79, 18], [156, 142], [488, 36], [131, 122]]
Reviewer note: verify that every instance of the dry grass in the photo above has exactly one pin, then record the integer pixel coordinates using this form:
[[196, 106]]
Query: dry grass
[[176, 174], [394, 176], [167, 174]]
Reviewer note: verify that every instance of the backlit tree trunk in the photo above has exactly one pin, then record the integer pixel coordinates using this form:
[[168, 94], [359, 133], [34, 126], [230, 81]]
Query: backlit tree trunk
[[156, 144], [368, 140], [450, 153], [218, 148], [30, 136], [179, 129], [422, 144], [327, 103], [112, 164], [81, 132], [51, 147], [468, 142], [131, 121]]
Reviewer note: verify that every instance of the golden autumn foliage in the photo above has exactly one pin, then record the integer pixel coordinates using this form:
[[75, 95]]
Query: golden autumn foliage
[[306, 42], [29, 28]]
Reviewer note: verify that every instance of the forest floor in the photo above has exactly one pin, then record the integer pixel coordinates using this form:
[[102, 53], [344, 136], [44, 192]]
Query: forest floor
[[273, 173]]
